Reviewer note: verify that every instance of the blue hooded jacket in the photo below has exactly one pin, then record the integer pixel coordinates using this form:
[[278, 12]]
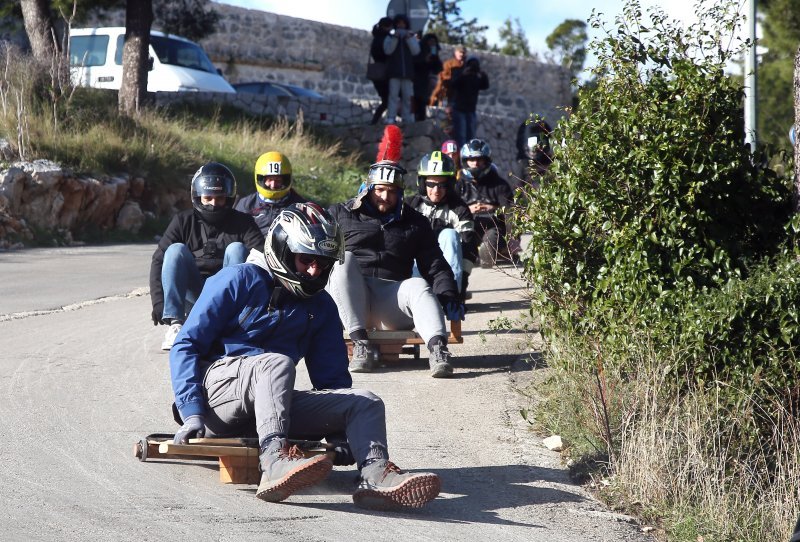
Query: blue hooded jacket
[[233, 317]]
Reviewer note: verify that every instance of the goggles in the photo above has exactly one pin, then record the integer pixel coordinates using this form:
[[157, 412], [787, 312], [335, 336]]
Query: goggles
[[434, 184], [319, 262]]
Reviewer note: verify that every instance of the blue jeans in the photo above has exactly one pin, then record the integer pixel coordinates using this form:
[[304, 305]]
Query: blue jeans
[[182, 281], [464, 125], [450, 243]]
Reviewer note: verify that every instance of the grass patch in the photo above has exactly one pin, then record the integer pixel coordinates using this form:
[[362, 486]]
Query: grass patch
[[165, 146]]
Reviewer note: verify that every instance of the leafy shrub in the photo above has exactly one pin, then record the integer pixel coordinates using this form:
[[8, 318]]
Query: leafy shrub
[[653, 197]]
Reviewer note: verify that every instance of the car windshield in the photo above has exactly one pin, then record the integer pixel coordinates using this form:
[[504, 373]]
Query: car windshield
[[176, 53]]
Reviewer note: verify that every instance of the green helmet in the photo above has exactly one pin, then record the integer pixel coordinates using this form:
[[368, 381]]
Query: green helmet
[[435, 163]]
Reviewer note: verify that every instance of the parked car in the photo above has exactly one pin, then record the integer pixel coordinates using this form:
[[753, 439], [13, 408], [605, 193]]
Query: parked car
[[270, 88], [177, 64]]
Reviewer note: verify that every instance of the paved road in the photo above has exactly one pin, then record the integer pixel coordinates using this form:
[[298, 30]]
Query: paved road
[[80, 386]]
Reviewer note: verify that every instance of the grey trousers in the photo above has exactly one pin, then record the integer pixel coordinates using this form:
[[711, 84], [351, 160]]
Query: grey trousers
[[243, 390], [368, 302]]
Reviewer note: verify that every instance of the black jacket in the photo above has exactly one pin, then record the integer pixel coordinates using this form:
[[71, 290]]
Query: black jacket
[[263, 212], [465, 85], [490, 188], [388, 251], [188, 228], [450, 213]]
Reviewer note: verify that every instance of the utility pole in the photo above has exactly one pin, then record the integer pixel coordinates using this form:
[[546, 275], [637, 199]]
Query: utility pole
[[750, 95]]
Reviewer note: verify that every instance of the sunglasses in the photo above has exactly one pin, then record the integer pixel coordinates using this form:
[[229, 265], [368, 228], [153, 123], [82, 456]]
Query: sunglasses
[[434, 184], [318, 262]]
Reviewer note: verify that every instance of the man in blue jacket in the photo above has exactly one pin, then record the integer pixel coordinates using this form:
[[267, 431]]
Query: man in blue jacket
[[233, 367]]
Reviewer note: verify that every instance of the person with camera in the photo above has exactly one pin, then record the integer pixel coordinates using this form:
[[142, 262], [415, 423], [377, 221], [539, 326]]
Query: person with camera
[[400, 46], [427, 66], [465, 87], [379, 33], [197, 243]]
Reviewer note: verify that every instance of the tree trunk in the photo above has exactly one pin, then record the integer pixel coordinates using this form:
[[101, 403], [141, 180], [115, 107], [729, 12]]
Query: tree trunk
[[138, 18], [796, 202], [39, 27]]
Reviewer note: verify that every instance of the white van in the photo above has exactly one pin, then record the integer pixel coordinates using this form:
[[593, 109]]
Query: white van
[[178, 65]]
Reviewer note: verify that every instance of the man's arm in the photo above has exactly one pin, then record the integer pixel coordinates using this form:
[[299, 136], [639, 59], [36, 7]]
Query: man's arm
[[253, 238], [431, 263], [326, 357], [218, 303]]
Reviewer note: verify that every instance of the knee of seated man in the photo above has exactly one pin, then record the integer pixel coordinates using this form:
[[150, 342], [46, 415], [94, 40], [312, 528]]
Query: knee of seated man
[[449, 235], [367, 399], [272, 361]]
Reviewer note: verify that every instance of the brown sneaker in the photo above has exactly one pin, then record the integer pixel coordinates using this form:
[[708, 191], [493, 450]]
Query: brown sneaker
[[285, 470], [383, 486]]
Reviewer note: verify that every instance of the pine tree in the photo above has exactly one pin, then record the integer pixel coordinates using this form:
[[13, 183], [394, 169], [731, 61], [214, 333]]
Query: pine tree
[[781, 26], [446, 22], [513, 39], [568, 44]]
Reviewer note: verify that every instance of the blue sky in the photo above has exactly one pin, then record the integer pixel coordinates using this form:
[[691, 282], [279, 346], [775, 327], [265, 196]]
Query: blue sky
[[537, 17]]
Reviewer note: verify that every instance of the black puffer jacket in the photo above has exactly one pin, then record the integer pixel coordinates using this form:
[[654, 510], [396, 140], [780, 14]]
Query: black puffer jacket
[[388, 251], [188, 228], [490, 188], [263, 212], [450, 213]]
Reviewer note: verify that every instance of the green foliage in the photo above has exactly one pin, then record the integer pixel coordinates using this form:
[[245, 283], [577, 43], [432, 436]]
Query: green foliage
[[568, 43], [781, 29], [191, 19], [513, 40], [658, 227], [653, 192], [450, 27]]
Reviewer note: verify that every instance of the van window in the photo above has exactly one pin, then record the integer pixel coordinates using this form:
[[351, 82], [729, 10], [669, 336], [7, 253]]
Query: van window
[[88, 50], [175, 52]]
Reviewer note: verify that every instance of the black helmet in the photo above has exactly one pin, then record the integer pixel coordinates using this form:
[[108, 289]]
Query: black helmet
[[303, 228], [386, 172], [213, 179], [476, 148], [435, 163]]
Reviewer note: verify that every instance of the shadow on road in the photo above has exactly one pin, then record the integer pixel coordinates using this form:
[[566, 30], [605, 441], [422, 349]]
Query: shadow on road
[[498, 306], [469, 494]]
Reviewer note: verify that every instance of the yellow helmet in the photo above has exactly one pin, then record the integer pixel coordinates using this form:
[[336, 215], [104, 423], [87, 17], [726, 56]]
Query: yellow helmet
[[269, 164]]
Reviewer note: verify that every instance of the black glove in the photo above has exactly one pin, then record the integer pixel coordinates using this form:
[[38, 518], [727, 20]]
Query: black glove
[[157, 314], [193, 427], [343, 455]]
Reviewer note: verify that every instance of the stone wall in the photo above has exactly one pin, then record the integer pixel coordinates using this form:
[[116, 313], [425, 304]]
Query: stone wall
[[252, 45], [41, 195], [348, 122]]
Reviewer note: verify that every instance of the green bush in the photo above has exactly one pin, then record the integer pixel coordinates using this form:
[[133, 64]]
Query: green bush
[[653, 197]]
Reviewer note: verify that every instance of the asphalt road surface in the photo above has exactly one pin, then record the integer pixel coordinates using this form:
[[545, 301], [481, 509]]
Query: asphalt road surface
[[82, 379]]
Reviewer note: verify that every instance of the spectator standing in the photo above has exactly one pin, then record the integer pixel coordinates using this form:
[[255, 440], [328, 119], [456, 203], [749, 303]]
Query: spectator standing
[[379, 33], [441, 95], [400, 46], [466, 84], [427, 66], [197, 243], [274, 191]]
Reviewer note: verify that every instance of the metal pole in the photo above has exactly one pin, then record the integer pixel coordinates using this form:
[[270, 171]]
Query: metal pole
[[750, 95]]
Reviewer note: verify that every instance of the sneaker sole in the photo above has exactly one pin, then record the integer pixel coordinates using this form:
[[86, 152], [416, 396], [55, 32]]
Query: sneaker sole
[[442, 371], [412, 493], [307, 474]]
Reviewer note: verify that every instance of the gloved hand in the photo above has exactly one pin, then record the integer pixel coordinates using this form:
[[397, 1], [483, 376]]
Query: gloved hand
[[452, 307], [343, 455], [157, 314], [193, 427]]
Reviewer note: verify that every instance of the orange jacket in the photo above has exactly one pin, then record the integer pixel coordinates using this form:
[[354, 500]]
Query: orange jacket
[[441, 91]]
